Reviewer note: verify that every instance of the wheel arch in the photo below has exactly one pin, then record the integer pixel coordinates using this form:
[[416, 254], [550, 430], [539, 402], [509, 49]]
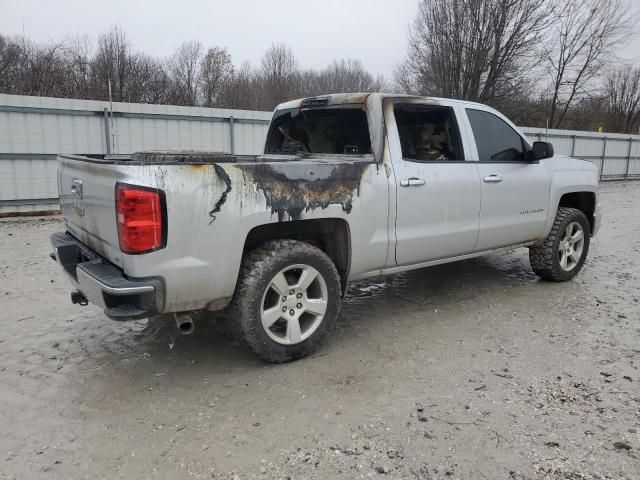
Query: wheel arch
[[584, 201], [331, 235]]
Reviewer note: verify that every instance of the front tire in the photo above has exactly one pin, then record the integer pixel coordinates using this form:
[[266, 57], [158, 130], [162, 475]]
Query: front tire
[[564, 251], [286, 301]]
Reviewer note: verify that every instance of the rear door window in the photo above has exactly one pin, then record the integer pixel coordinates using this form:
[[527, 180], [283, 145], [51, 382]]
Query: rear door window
[[428, 133], [495, 139], [337, 131]]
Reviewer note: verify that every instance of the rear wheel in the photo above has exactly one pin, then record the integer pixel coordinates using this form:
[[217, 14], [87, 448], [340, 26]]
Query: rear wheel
[[564, 251], [287, 300]]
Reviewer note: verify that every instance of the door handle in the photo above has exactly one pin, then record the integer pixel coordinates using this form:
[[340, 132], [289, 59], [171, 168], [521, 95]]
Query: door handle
[[412, 182], [492, 178]]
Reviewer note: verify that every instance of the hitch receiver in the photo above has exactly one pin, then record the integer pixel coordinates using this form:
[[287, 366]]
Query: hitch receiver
[[78, 297]]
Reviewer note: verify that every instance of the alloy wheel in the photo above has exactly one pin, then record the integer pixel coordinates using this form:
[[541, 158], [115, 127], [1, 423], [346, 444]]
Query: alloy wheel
[[293, 304]]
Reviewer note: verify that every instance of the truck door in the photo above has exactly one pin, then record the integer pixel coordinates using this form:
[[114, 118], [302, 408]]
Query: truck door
[[437, 188], [514, 191]]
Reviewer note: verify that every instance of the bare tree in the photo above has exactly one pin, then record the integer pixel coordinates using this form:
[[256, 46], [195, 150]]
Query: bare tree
[[183, 67], [580, 44], [622, 93], [473, 49], [244, 89], [216, 70], [407, 78], [43, 72], [12, 60], [348, 76], [279, 74], [311, 83], [76, 51], [27, 68], [149, 80], [112, 62], [589, 113]]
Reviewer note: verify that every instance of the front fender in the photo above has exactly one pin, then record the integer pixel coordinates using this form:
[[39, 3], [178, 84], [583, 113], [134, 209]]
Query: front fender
[[569, 181]]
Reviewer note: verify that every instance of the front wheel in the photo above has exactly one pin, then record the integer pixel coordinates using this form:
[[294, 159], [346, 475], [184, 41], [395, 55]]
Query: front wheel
[[564, 251], [287, 300]]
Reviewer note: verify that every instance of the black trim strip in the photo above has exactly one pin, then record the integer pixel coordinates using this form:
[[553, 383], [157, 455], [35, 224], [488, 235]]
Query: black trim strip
[[28, 156], [472, 162], [29, 201], [454, 162], [50, 111]]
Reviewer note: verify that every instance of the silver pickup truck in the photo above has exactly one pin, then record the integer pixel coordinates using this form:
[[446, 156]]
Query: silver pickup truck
[[350, 186]]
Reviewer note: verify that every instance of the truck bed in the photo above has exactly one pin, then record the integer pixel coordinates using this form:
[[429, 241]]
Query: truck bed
[[193, 157], [213, 201]]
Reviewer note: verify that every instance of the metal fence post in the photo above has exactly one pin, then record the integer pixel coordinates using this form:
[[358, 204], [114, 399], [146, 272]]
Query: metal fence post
[[573, 145], [604, 150], [231, 137], [626, 173], [107, 133]]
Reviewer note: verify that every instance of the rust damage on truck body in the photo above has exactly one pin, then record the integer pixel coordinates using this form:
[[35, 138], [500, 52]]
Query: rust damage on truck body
[[294, 189]]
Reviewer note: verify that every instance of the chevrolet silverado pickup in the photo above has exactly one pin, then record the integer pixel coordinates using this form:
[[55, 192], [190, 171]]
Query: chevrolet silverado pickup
[[350, 186]]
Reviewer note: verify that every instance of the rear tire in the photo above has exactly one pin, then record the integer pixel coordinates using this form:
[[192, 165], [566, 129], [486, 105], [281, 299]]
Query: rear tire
[[287, 300], [564, 251]]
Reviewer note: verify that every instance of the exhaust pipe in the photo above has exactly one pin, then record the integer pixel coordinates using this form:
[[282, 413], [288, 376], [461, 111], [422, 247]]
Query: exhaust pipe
[[77, 297], [184, 323]]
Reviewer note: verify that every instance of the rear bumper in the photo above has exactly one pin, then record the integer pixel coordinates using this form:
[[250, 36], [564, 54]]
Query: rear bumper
[[105, 285]]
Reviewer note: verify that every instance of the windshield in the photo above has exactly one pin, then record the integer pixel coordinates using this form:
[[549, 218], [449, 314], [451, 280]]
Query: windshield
[[341, 131]]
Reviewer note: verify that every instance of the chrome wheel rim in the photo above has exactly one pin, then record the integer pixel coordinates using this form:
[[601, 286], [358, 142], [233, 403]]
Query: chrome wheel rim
[[571, 246], [294, 304]]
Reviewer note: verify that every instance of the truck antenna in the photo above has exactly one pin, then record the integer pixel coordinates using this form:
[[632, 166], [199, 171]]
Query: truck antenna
[[113, 132]]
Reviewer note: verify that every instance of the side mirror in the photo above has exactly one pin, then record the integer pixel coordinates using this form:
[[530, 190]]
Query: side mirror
[[541, 150]]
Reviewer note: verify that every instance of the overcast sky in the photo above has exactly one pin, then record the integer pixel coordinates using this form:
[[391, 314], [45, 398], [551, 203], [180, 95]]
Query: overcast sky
[[318, 31]]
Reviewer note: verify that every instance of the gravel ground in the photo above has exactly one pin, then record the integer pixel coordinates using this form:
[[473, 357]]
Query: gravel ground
[[473, 370]]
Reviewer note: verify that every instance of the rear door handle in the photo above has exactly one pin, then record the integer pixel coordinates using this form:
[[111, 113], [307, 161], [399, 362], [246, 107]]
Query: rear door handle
[[492, 178], [412, 182]]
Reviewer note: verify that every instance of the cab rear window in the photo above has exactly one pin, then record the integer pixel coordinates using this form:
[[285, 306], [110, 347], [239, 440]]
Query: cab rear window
[[337, 131]]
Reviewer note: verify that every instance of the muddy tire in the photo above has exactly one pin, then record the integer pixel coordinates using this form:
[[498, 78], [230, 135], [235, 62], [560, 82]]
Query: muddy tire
[[286, 301], [564, 251]]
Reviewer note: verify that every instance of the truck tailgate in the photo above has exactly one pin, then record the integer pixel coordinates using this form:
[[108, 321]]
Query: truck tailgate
[[87, 201]]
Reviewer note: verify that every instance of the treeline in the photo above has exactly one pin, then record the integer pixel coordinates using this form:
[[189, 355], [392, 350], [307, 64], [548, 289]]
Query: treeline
[[192, 75], [541, 62]]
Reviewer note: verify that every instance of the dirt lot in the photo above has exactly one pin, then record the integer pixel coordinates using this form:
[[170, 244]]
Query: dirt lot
[[473, 370]]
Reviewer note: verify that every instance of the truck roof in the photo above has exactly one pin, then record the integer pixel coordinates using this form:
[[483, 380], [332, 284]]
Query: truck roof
[[356, 98]]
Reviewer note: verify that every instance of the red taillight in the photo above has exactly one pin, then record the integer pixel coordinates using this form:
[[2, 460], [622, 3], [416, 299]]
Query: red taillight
[[139, 217]]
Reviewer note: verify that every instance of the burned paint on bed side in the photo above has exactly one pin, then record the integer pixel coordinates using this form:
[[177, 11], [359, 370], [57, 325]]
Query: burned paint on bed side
[[294, 189], [223, 198]]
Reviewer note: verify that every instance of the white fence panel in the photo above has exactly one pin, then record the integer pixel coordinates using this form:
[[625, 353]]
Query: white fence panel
[[615, 155], [33, 130]]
